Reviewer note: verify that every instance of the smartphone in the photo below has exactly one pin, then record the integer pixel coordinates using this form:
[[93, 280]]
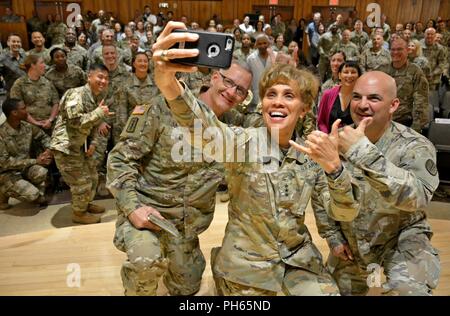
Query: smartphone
[[216, 49]]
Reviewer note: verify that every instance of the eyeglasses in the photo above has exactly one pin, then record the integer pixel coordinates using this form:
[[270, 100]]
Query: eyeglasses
[[240, 91]]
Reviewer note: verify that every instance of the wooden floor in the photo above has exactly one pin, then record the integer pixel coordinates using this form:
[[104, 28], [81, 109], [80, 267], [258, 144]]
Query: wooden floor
[[42, 263]]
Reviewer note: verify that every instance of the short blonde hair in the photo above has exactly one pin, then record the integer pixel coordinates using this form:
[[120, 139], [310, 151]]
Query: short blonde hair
[[306, 83], [418, 47]]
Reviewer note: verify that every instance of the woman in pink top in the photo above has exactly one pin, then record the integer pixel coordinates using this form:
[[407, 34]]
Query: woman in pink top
[[335, 102]]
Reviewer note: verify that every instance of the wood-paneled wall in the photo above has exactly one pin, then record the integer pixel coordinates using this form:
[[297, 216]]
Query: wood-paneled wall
[[201, 11]]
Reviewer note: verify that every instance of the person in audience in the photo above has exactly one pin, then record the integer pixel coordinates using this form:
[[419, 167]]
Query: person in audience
[[11, 61], [415, 56], [336, 61], [335, 102], [22, 177]]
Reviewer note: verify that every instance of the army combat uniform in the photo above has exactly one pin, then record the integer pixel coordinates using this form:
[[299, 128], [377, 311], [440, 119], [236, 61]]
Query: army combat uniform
[[142, 172], [350, 50], [412, 90], [267, 247], [20, 175], [39, 96], [77, 120], [76, 55], [397, 177], [438, 63], [73, 77], [370, 60], [326, 43], [359, 39]]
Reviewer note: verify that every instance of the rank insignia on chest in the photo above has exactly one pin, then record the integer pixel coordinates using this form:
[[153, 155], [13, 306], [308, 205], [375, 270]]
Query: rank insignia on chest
[[139, 110]]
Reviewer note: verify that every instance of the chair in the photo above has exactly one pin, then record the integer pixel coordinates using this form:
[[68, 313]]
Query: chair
[[439, 135]]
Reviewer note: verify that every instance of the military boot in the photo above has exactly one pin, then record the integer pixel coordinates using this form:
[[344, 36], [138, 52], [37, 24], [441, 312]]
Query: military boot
[[4, 202], [85, 218], [96, 209]]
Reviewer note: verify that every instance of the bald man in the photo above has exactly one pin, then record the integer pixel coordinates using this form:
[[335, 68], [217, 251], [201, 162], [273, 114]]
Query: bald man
[[395, 169], [437, 58]]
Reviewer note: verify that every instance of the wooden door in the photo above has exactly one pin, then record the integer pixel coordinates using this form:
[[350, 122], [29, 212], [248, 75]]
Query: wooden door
[[286, 12], [327, 12]]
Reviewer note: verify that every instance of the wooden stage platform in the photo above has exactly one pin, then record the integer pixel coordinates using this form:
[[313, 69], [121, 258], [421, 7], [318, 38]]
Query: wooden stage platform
[[47, 262]]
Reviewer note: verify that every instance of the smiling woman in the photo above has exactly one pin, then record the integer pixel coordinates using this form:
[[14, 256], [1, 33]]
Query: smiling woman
[[267, 247]]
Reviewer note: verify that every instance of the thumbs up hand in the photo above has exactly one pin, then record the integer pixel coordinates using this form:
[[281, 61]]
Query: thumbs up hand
[[349, 135]]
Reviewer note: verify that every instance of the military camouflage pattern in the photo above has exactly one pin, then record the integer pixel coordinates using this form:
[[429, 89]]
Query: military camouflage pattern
[[423, 64], [44, 54], [76, 55], [195, 80], [36, 25], [326, 43], [20, 176], [330, 83], [39, 96], [437, 61], [350, 49], [418, 36], [80, 173], [359, 39], [141, 171], [240, 55], [73, 77], [10, 68], [123, 56], [78, 117], [370, 60], [266, 235], [397, 177], [57, 33], [412, 90]]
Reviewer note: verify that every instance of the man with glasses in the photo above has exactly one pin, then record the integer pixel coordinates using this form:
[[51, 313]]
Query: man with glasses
[[147, 179]]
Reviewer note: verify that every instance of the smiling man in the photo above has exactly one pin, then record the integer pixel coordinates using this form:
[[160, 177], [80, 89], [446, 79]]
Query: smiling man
[[81, 111], [145, 179], [395, 168]]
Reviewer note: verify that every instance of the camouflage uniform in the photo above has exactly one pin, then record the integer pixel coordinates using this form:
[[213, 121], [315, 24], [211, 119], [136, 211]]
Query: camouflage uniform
[[117, 78], [76, 55], [326, 43], [133, 92], [57, 33], [370, 60], [350, 49], [330, 83], [73, 77], [397, 177], [39, 96], [141, 171], [20, 176], [418, 36], [267, 247], [359, 39], [44, 54], [240, 56], [438, 63], [77, 120], [423, 64], [10, 68], [123, 56], [195, 80], [412, 90]]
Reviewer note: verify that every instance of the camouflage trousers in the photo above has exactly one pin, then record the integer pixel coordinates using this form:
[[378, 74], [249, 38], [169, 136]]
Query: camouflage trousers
[[104, 144], [324, 65], [151, 255], [26, 186], [412, 267], [79, 172], [296, 282]]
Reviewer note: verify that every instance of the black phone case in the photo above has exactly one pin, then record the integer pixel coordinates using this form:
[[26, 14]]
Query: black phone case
[[216, 50]]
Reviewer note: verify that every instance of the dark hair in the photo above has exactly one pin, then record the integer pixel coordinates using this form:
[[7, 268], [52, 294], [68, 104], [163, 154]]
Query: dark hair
[[9, 105], [350, 64], [55, 50], [134, 59], [339, 52], [95, 67], [13, 34]]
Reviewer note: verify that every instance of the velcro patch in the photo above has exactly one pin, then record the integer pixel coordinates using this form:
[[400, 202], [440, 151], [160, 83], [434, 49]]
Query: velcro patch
[[138, 110], [132, 124], [431, 167]]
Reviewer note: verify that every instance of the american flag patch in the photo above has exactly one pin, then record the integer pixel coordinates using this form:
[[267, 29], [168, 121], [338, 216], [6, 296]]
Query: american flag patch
[[138, 110]]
